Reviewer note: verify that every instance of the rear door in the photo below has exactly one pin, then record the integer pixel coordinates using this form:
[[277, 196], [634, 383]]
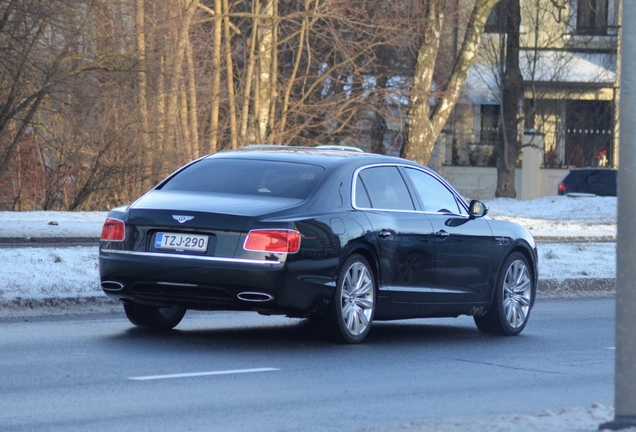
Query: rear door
[[403, 235]]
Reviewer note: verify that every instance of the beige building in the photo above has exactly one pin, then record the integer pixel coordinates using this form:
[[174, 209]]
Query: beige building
[[568, 60]]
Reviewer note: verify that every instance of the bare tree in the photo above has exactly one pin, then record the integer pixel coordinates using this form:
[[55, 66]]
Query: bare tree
[[109, 97], [425, 122]]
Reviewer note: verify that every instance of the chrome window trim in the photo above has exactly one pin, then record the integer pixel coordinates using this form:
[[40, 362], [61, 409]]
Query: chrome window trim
[[194, 257], [354, 184]]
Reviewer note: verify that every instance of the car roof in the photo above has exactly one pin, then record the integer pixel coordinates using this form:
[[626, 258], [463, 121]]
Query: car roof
[[310, 155]]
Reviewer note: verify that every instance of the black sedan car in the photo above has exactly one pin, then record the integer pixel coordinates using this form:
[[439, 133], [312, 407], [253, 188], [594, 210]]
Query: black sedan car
[[339, 237]]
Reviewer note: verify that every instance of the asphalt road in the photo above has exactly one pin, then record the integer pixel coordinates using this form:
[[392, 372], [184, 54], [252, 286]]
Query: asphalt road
[[100, 373]]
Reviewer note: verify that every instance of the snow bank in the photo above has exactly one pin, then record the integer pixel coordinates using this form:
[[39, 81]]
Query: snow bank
[[566, 420]]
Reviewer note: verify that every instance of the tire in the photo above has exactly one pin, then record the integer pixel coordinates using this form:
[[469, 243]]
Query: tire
[[154, 317], [350, 314], [513, 299]]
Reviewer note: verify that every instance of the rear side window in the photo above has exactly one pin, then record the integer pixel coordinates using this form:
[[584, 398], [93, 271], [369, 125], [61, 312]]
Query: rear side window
[[577, 177], [603, 177], [248, 177], [385, 188]]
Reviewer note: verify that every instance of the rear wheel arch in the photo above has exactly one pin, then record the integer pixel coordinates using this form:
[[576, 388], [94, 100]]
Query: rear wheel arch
[[366, 251]]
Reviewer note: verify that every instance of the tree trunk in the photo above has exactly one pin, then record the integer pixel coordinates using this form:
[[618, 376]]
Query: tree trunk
[[292, 77], [265, 70], [216, 77], [424, 125], [229, 67], [509, 145], [193, 115], [142, 103], [249, 76], [274, 74], [177, 77], [420, 128]]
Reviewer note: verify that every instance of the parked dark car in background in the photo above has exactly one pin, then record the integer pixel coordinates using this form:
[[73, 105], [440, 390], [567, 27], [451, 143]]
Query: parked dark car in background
[[595, 181], [339, 237]]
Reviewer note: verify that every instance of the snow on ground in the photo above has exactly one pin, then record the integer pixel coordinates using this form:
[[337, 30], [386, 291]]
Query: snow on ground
[[567, 420], [562, 217], [48, 272], [51, 224]]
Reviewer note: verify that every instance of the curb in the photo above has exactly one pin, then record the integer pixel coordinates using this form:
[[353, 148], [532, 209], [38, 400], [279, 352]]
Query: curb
[[58, 306], [575, 239], [48, 241], [576, 288]]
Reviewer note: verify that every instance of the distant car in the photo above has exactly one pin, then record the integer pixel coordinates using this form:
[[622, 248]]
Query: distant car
[[339, 237], [594, 181]]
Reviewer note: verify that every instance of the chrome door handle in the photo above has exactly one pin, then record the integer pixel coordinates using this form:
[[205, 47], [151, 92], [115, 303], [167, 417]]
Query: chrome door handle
[[442, 234], [384, 234]]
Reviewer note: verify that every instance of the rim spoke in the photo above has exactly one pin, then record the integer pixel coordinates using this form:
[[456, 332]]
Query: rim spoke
[[345, 294], [522, 286], [363, 318], [347, 310], [525, 301], [355, 322], [364, 303], [510, 312], [359, 277], [521, 314], [365, 287]]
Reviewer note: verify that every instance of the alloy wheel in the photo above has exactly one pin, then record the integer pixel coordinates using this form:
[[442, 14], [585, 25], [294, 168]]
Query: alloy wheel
[[517, 291], [357, 298]]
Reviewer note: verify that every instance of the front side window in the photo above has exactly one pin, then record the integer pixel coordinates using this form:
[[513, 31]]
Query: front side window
[[433, 195], [385, 188]]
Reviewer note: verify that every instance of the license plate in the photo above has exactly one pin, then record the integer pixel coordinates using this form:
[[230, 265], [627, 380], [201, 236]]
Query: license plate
[[181, 242]]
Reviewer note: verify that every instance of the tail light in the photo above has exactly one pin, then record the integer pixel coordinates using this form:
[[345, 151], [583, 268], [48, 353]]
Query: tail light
[[113, 230], [561, 187], [280, 241]]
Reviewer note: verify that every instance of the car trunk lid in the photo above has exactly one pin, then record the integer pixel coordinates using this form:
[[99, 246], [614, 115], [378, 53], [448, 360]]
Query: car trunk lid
[[220, 217]]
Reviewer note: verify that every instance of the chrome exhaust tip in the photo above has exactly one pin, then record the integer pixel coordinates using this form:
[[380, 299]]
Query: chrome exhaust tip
[[112, 286], [254, 297]]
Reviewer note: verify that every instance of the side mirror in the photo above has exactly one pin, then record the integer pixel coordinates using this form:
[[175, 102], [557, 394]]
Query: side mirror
[[477, 209]]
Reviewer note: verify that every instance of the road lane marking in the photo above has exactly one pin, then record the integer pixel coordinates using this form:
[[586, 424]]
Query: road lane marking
[[200, 374], [610, 348]]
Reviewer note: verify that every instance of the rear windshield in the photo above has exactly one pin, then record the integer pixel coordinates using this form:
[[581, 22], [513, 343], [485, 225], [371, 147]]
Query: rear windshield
[[248, 177]]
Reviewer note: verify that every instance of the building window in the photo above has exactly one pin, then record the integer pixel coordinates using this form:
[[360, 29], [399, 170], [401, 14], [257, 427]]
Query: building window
[[490, 125], [591, 17], [496, 19], [589, 133]]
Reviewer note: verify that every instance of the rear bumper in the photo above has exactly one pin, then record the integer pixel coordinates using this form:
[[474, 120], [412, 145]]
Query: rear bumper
[[210, 283]]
